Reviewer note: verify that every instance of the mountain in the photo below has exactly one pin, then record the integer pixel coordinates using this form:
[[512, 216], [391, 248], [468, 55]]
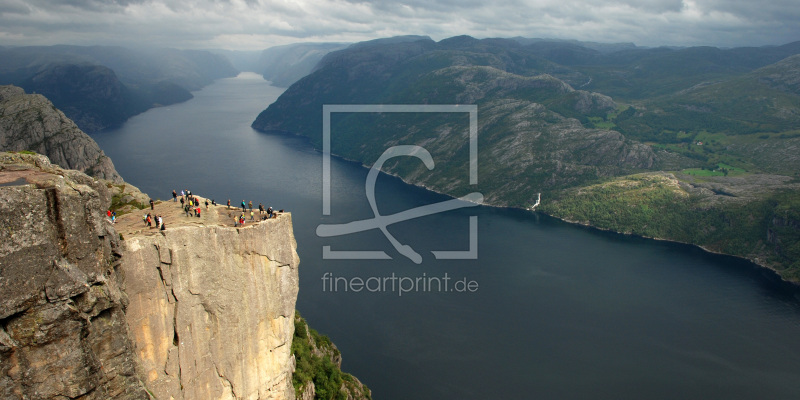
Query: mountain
[[284, 65], [30, 122], [696, 145], [102, 86], [90, 95]]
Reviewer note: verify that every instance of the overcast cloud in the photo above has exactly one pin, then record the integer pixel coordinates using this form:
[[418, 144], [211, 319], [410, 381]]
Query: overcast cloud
[[258, 24]]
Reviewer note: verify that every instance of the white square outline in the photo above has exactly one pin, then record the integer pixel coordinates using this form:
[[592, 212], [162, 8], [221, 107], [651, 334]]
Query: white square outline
[[328, 109]]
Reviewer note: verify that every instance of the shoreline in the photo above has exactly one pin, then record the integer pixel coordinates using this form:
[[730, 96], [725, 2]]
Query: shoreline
[[756, 262]]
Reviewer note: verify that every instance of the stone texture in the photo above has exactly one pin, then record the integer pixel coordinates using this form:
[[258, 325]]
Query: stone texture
[[212, 309], [62, 329], [31, 122]]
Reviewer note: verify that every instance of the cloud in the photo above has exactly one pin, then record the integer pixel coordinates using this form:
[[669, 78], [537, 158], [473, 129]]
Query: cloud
[[257, 24]]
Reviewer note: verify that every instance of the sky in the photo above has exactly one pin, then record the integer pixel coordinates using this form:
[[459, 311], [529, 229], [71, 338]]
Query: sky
[[259, 24]]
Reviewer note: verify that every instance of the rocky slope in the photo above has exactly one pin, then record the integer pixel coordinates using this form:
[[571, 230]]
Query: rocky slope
[[31, 122], [318, 368], [63, 332]]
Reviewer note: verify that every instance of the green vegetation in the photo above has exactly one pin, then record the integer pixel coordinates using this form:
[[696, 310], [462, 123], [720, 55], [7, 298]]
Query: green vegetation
[[314, 356], [715, 170], [654, 205], [122, 203], [718, 118]]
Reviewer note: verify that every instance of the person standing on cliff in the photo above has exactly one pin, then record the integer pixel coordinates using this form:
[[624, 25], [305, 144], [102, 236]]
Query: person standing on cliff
[[206, 204], [244, 206], [151, 204], [250, 205], [174, 196], [229, 204]]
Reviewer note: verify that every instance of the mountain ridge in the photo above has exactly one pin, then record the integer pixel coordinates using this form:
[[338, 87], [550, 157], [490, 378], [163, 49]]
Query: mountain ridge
[[538, 134]]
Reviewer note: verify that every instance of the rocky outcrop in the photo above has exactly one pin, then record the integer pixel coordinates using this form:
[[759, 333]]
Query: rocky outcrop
[[62, 328], [318, 371], [31, 122], [212, 308], [193, 312]]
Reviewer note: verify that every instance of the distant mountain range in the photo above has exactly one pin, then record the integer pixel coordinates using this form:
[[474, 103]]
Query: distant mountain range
[[698, 145], [101, 86]]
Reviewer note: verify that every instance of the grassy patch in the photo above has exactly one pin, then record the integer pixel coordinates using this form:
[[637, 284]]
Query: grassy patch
[[721, 169]]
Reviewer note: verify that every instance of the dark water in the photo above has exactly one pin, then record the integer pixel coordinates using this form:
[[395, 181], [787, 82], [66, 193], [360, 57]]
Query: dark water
[[560, 312]]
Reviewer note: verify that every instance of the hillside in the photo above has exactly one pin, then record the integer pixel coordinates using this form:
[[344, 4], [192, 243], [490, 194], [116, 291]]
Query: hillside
[[542, 131], [101, 86]]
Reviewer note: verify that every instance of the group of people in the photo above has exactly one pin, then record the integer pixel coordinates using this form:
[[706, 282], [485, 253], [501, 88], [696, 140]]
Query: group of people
[[112, 215], [149, 219], [191, 203], [248, 206], [191, 206]]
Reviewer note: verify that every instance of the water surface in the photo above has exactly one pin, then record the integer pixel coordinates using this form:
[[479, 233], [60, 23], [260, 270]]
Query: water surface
[[561, 312]]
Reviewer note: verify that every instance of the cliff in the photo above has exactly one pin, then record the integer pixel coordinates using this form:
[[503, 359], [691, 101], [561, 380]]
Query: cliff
[[31, 122], [95, 310], [62, 325], [211, 308]]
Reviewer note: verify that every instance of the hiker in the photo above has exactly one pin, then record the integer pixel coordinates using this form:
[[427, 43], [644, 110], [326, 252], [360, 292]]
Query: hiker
[[114, 217], [174, 195], [269, 212], [252, 214], [213, 203], [186, 209], [243, 206], [163, 228], [260, 208], [206, 204], [151, 204], [108, 213], [149, 221], [198, 211], [144, 219], [235, 221], [250, 205], [229, 204]]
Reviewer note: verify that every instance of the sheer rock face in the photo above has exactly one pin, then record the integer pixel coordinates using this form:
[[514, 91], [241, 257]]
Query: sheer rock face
[[62, 328], [31, 122], [212, 310], [201, 312]]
